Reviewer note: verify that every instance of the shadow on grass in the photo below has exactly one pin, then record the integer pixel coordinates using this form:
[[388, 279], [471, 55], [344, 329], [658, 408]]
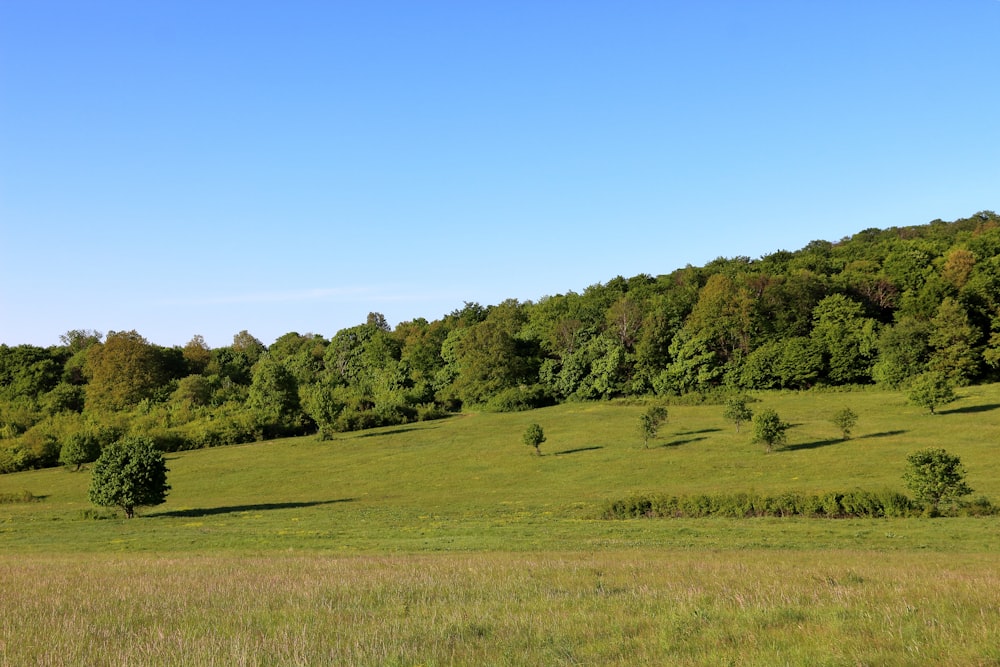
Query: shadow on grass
[[704, 430], [970, 409], [883, 434], [684, 441], [823, 443], [235, 509], [812, 445], [578, 449], [395, 431]]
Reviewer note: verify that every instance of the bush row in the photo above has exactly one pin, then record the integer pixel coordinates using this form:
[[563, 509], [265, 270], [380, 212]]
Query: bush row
[[834, 505]]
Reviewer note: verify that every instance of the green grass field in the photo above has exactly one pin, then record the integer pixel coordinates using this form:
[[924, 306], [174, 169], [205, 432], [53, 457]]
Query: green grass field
[[449, 542]]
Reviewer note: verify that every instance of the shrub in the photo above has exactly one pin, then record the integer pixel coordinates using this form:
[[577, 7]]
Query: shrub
[[519, 399], [534, 436], [853, 504], [935, 477], [769, 429], [81, 447], [21, 497], [845, 420]]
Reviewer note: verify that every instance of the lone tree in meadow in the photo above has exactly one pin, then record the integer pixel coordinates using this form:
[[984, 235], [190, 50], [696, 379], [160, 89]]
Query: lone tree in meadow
[[845, 420], [81, 447], [534, 436], [649, 423], [769, 429], [935, 476], [129, 473], [737, 411], [931, 389]]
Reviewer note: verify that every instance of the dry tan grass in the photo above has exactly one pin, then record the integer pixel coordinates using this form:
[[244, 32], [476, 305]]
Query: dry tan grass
[[610, 608]]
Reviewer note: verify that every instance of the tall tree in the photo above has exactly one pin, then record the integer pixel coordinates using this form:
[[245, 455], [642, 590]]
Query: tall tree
[[274, 398], [952, 340], [197, 355], [122, 371], [903, 349], [27, 371], [846, 337]]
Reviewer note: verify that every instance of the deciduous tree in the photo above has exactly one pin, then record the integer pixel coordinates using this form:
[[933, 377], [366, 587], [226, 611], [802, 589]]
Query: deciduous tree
[[930, 390], [845, 420], [847, 338], [737, 411], [952, 340], [129, 473], [274, 398], [650, 421], [79, 448], [534, 436], [935, 477], [769, 429], [122, 371]]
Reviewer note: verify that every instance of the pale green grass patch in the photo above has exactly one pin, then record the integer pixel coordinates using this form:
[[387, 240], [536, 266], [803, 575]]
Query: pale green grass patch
[[449, 542], [619, 608]]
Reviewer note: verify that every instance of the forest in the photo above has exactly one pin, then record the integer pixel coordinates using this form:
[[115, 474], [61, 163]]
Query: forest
[[884, 306]]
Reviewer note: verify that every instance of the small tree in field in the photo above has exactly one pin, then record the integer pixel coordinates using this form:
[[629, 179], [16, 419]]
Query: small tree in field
[[935, 476], [737, 411], [930, 390], [845, 420], [649, 423], [129, 473], [534, 436], [769, 429], [81, 447]]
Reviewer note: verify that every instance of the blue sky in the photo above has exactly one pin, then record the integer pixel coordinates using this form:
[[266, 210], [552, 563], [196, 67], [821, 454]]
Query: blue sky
[[190, 167]]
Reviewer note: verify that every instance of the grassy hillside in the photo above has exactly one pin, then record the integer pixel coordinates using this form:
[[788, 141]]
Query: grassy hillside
[[306, 552], [469, 483]]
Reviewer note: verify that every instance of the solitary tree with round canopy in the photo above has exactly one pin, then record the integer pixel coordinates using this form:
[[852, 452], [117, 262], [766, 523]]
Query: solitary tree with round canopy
[[769, 429], [534, 436], [129, 473], [935, 477]]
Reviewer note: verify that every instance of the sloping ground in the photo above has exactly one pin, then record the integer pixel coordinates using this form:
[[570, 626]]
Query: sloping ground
[[308, 553], [470, 483]]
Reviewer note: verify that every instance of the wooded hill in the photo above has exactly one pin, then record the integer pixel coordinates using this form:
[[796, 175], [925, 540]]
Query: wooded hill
[[882, 306]]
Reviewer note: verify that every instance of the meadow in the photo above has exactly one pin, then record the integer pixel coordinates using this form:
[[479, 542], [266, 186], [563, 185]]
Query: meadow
[[450, 542]]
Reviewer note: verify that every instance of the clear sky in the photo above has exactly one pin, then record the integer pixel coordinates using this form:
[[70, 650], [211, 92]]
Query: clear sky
[[183, 167]]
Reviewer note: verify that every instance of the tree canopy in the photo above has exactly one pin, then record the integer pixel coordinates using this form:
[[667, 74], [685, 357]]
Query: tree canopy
[[129, 473], [898, 307]]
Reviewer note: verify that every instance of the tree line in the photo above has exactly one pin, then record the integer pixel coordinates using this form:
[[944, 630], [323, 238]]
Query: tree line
[[884, 306]]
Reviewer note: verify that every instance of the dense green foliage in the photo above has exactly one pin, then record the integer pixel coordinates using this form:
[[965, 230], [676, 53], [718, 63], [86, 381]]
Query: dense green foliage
[[833, 505], [930, 390], [935, 477], [769, 430], [881, 307], [130, 473], [534, 436]]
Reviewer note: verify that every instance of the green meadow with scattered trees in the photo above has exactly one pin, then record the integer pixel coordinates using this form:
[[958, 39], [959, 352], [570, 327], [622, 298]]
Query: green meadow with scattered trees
[[788, 460]]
